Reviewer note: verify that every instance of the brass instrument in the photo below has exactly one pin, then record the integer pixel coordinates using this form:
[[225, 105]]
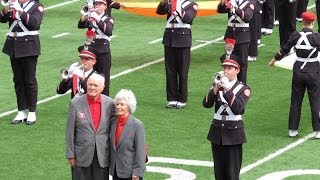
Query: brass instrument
[[218, 76], [85, 9], [67, 73]]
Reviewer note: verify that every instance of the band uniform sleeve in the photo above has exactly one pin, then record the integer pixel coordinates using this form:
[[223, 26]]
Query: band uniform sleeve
[[209, 99], [64, 86], [162, 8], [106, 26], [70, 131], [189, 13], [4, 18], [246, 13], [83, 24], [113, 4], [32, 20], [222, 8], [237, 102]]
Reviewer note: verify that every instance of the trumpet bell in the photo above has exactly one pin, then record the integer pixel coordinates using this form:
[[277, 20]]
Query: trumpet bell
[[65, 73], [4, 2]]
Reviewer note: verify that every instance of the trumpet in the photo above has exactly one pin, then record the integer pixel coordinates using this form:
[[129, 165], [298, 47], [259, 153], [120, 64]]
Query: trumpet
[[67, 73], [85, 9], [218, 76]]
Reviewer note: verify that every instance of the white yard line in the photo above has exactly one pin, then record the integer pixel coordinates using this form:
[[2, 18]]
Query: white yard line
[[60, 35], [60, 4], [155, 41]]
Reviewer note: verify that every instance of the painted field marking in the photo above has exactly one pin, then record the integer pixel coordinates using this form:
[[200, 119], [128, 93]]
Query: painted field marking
[[60, 35], [60, 4], [280, 175], [155, 41]]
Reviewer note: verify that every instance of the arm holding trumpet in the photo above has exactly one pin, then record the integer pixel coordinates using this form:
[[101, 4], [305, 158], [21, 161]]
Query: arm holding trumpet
[[76, 76]]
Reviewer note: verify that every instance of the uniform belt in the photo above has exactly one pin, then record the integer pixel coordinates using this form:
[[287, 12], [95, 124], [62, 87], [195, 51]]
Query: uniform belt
[[20, 34], [238, 24], [98, 36], [177, 25], [228, 117], [307, 59]]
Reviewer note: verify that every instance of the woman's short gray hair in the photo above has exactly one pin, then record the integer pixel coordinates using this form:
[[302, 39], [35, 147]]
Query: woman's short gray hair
[[129, 97]]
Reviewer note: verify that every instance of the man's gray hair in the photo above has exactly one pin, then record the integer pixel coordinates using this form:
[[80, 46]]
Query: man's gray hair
[[97, 77], [127, 95]]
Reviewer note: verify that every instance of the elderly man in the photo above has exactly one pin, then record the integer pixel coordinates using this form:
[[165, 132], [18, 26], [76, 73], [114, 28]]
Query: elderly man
[[227, 130], [305, 73], [88, 131], [101, 24], [77, 79], [23, 47]]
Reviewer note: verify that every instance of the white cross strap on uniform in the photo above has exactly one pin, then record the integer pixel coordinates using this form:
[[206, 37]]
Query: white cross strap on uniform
[[305, 46], [225, 105], [236, 21], [22, 26], [100, 34], [181, 4]]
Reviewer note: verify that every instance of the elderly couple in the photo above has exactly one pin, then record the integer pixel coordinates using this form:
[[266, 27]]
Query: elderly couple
[[102, 133]]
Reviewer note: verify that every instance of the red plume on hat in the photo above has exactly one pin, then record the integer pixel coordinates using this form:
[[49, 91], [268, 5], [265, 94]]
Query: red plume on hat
[[308, 16], [230, 41], [90, 33]]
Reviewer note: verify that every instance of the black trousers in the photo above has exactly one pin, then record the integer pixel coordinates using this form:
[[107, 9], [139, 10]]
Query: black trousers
[[227, 161], [242, 51], [93, 172], [276, 10], [318, 13], [177, 62], [287, 21], [25, 82], [255, 32], [103, 66], [301, 82], [301, 7], [267, 14]]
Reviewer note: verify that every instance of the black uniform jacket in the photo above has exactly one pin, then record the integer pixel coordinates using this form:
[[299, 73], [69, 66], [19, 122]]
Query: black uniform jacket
[[178, 37], [240, 34], [28, 45], [314, 40], [67, 84], [227, 132], [106, 26]]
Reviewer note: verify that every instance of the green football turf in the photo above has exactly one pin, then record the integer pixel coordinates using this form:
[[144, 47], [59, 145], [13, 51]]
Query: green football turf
[[38, 152]]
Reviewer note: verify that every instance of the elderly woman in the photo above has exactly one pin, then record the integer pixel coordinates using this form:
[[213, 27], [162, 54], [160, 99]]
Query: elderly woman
[[128, 141]]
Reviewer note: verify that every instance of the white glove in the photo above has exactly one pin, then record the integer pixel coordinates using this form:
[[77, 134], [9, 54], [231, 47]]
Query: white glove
[[15, 5], [225, 82], [234, 4], [79, 72], [95, 16], [73, 66]]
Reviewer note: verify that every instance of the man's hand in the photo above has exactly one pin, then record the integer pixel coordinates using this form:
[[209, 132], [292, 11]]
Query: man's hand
[[225, 83], [72, 162], [271, 63], [135, 177]]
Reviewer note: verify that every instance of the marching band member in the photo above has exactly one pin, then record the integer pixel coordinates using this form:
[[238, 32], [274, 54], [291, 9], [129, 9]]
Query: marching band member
[[239, 15], [305, 73], [227, 130], [177, 41], [77, 80], [23, 47], [102, 24]]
